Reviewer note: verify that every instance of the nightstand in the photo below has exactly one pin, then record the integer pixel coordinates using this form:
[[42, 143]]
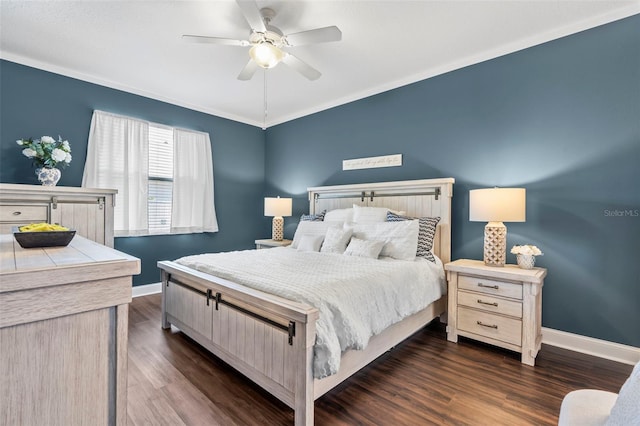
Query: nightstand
[[501, 306], [265, 244]]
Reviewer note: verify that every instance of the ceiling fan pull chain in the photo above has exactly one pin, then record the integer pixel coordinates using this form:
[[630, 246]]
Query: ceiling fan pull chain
[[264, 122]]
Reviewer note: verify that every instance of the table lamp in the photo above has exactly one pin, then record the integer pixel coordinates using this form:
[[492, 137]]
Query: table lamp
[[496, 205], [277, 207]]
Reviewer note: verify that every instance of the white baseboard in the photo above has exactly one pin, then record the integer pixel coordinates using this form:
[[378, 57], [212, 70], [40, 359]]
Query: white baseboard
[[562, 339], [145, 290], [590, 346]]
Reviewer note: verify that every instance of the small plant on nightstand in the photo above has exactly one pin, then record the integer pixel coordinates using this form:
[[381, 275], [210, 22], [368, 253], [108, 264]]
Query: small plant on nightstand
[[526, 255]]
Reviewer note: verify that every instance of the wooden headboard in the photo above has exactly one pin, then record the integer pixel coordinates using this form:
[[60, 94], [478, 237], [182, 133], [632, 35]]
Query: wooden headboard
[[419, 198]]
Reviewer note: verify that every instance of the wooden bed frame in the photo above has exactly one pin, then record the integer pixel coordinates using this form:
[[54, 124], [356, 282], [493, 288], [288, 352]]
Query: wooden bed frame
[[270, 339]]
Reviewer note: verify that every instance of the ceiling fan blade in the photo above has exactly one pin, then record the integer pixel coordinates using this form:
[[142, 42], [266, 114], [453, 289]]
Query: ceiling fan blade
[[302, 67], [215, 40], [319, 35], [248, 71], [252, 15]]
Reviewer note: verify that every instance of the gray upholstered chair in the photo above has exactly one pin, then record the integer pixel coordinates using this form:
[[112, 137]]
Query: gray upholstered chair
[[590, 407]]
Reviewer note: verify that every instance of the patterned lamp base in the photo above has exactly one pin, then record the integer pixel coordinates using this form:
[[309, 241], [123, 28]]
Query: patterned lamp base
[[495, 244], [277, 228]]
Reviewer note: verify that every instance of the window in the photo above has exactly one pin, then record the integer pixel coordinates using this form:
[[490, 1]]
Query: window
[[164, 175], [160, 179]]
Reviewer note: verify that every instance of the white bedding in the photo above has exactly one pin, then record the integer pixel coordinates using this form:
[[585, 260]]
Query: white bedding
[[357, 297]]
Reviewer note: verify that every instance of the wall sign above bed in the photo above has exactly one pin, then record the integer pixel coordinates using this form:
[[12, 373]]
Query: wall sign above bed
[[372, 162]]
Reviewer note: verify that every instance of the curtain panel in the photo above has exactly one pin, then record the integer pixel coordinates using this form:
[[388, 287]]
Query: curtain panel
[[118, 158], [192, 208]]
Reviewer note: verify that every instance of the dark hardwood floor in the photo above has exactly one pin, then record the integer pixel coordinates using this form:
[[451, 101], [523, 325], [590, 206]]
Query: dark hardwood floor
[[426, 380]]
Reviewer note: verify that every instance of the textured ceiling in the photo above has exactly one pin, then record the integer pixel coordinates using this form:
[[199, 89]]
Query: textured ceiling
[[136, 46]]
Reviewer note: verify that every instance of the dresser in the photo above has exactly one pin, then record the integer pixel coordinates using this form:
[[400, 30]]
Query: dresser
[[88, 211], [501, 306], [63, 333]]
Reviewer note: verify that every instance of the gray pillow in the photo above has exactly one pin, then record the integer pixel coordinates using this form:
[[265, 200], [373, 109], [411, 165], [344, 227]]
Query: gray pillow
[[313, 217], [626, 410]]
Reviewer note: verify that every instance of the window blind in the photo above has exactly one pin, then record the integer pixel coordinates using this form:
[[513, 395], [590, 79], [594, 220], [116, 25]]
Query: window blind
[[160, 179]]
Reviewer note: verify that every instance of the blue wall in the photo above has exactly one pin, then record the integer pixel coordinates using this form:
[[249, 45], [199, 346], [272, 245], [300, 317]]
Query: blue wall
[[560, 119], [36, 103]]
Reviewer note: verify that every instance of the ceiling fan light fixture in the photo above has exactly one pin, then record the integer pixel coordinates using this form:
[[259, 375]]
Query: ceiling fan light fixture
[[266, 55]]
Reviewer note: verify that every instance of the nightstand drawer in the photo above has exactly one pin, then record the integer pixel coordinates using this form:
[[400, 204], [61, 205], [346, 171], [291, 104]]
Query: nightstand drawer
[[490, 304], [488, 286], [494, 326], [23, 214]]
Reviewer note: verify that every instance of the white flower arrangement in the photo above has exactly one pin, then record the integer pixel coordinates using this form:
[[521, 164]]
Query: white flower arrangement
[[526, 249], [46, 151]]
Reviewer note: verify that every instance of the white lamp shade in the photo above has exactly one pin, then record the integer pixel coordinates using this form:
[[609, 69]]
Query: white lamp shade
[[277, 206], [497, 205], [266, 55]]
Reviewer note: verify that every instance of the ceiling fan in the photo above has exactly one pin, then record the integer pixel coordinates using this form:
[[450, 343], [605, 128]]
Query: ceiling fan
[[267, 42]]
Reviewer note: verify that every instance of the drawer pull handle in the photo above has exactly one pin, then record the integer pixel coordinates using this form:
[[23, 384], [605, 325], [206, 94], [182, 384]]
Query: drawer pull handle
[[17, 213], [495, 287], [487, 325], [488, 303]]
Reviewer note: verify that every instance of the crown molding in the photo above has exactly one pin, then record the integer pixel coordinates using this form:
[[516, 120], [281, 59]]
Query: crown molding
[[482, 56]]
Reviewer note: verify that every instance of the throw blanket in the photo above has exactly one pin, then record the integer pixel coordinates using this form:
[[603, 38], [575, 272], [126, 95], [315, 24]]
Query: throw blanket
[[356, 297]]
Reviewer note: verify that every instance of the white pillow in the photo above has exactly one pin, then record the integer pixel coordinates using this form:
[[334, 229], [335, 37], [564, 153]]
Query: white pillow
[[336, 240], [363, 248], [310, 243], [401, 238], [426, 234], [339, 215], [371, 214], [312, 228]]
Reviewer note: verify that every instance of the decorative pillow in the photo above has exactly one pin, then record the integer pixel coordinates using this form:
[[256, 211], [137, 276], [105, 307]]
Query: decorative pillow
[[426, 233], [313, 217], [400, 238], [363, 248], [336, 240], [339, 215], [312, 228], [310, 242], [371, 214], [626, 410]]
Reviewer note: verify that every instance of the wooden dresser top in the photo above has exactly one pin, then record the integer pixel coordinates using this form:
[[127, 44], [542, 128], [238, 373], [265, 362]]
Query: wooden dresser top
[[82, 259]]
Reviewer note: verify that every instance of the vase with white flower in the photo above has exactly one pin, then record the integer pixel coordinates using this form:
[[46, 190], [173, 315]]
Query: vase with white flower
[[48, 156], [526, 255]]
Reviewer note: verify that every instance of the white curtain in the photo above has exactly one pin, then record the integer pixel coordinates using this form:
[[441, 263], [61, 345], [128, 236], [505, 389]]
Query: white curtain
[[117, 158], [193, 207]]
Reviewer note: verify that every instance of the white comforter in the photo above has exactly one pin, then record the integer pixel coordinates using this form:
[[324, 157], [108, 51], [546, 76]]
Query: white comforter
[[357, 297]]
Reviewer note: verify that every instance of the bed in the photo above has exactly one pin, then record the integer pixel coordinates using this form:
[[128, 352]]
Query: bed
[[270, 338]]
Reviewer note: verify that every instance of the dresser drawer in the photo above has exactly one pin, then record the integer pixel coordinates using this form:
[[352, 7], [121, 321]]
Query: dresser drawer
[[23, 214], [490, 325], [488, 286], [490, 304]]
